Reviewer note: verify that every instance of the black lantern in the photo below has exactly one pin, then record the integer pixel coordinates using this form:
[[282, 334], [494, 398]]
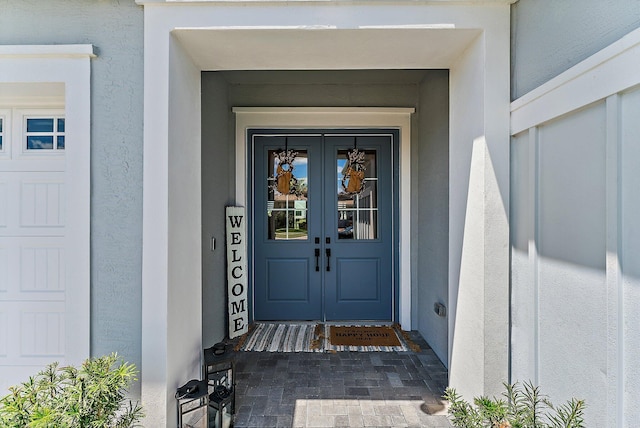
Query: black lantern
[[193, 404], [218, 368]]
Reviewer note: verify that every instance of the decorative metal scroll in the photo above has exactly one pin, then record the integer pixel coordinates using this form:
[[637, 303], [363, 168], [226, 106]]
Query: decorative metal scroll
[[353, 177], [284, 181]]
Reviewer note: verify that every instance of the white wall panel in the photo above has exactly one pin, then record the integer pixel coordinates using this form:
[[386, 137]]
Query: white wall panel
[[574, 303], [572, 188], [629, 335], [571, 275]]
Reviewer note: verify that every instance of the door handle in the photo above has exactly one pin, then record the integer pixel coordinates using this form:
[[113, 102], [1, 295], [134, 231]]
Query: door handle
[[317, 253], [328, 253]]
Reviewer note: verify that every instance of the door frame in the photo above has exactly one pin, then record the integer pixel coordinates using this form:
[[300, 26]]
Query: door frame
[[340, 118]]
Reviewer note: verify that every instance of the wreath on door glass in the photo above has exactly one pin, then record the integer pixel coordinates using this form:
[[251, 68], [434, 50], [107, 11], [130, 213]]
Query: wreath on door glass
[[284, 181], [353, 177]]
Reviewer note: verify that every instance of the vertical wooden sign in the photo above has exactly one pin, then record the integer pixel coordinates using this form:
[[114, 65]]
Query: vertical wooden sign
[[237, 271]]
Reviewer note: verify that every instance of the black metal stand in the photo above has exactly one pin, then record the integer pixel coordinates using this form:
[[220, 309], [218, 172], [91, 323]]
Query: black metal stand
[[192, 397], [219, 372]]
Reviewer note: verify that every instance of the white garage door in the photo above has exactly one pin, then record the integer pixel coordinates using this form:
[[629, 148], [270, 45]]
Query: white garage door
[[33, 263]]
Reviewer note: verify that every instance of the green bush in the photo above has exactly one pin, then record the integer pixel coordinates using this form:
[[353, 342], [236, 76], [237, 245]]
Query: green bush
[[92, 396], [523, 407]]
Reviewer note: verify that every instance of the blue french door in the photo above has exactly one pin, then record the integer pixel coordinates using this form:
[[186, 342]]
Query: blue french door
[[322, 239]]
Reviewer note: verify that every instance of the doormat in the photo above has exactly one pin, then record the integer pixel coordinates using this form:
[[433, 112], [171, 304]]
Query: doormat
[[310, 337], [270, 337], [363, 338], [341, 335]]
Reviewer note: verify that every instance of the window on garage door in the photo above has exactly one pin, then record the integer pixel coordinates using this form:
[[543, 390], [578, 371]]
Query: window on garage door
[[43, 133]]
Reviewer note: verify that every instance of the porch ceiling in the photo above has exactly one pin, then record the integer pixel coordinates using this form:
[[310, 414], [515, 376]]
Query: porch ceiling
[[324, 48]]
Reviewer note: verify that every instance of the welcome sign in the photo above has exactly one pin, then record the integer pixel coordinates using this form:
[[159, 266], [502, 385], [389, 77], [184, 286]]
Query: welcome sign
[[237, 271]]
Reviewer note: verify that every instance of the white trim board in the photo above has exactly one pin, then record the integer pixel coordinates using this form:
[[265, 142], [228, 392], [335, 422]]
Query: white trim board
[[334, 118], [47, 51]]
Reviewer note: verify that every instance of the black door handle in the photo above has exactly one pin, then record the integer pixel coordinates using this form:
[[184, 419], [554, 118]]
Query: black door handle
[[317, 253], [328, 253]]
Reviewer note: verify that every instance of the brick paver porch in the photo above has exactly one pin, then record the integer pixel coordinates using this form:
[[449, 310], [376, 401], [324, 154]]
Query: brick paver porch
[[344, 389]]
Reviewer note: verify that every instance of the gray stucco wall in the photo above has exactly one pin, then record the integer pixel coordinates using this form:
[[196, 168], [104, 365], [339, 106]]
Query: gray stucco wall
[[431, 190], [217, 192], [115, 28], [550, 36], [425, 90], [324, 88]]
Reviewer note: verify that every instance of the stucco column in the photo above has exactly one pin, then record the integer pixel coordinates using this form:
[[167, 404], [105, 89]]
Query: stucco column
[[479, 223], [172, 260]]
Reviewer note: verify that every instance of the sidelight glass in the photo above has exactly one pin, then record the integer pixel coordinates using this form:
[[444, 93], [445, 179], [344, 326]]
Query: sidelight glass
[[287, 196], [358, 213]]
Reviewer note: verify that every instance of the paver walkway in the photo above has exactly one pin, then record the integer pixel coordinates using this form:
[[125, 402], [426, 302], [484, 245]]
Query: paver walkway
[[344, 389]]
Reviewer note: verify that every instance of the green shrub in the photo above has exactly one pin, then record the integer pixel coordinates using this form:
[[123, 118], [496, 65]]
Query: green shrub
[[92, 396], [522, 407]]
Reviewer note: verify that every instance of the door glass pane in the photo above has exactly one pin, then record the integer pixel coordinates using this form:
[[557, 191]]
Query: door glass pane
[[287, 193], [357, 203]]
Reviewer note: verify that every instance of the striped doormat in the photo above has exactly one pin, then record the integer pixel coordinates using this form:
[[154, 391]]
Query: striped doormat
[[280, 338], [309, 337]]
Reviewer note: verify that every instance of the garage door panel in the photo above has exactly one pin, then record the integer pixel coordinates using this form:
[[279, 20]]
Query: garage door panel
[[4, 271], [42, 330], [34, 164], [4, 335], [33, 232], [41, 204], [33, 333], [41, 268], [32, 268], [4, 204], [33, 203]]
